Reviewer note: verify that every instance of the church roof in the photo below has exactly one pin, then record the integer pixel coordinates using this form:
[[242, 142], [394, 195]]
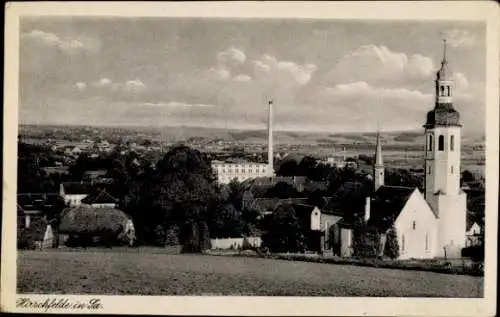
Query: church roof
[[443, 115], [386, 205], [349, 198]]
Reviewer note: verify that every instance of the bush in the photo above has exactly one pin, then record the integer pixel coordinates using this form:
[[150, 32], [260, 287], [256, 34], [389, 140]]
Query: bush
[[25, 240], [366, 241], [475, 252], [391, 249], [245, 245], [172, 236]]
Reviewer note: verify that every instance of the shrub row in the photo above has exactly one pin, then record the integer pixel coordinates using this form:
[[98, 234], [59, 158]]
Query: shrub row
[[421, 265]]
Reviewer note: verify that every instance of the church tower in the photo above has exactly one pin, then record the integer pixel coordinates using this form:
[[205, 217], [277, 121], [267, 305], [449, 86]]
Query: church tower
[[442, 165], [378, 167]]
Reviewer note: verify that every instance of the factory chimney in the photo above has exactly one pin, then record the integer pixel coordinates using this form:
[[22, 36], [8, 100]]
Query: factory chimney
[[270, 156]]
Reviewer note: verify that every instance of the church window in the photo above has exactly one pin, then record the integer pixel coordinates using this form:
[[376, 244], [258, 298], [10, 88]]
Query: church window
[[426, 241], [429, 169], [441, 143], [403, 243], [451, 169], [442, 90], [452, 143], [414, 225], [429, 146], [448, 90]]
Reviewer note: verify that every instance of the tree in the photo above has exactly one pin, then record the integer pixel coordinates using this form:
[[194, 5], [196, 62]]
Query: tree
[[282, 190], [236, 190], [467, 177], [288, 168], [283, 231], [227, 223], [391, 248], [366, 240]]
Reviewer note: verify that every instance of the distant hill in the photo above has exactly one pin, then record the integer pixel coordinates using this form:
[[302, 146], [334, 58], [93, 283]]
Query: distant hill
[[185, 133]]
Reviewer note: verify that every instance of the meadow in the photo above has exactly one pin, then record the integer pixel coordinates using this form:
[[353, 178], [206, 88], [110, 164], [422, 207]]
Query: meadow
[[140, 272]]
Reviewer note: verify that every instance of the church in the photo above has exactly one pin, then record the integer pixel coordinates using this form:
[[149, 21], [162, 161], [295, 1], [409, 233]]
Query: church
[[429, 224]]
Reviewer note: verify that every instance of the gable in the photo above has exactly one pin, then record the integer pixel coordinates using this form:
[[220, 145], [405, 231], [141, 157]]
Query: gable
[[416, 209]]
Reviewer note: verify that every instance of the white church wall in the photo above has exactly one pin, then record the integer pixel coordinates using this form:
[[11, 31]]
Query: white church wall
[[452, 223], [416, 228]]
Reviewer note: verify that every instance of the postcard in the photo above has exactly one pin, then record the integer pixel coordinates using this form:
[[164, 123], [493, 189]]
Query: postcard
[[251, 158]]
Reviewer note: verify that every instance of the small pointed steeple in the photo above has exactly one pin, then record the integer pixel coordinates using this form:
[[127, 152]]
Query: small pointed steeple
[[378, 167]]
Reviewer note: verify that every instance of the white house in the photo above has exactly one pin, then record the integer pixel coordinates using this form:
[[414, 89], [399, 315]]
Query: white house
[[74, 192]]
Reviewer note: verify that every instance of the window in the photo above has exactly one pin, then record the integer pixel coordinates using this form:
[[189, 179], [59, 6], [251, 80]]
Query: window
[[430, 143], [414, 225], [429, 169], [442, 90], [452, 143], [448, 90], [451, 169], [403, 243], [426, 241], [441, 143]]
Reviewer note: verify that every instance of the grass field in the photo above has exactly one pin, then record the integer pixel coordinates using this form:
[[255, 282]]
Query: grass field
[[153, 273]]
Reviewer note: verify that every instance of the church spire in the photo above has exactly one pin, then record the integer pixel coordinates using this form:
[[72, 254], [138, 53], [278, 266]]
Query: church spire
[[378, 167]]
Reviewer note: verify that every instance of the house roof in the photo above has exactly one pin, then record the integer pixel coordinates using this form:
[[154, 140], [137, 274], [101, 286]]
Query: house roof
[[83, 219], [95, 173], [348, 198], [76, 188], [101, 197], [387, 203], [270, 204], [36, 201]]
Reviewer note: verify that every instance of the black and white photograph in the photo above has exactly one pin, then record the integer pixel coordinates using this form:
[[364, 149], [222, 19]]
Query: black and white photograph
[[246, 156]]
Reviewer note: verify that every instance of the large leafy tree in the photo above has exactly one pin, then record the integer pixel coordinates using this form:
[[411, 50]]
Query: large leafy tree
[[283, 231], [181, 192]]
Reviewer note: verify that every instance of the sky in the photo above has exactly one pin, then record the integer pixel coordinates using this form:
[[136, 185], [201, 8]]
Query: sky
[[323, 75]]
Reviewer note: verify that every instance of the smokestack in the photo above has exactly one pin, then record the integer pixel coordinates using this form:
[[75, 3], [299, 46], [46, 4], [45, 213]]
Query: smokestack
[[270, 157], [367, 209]]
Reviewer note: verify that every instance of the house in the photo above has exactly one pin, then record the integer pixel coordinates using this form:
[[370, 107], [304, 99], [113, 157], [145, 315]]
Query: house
[[39, 234], [74, 192], [318, 224], [100, 199], [33, 205], [474, 234], [106, 224], [34, 227]]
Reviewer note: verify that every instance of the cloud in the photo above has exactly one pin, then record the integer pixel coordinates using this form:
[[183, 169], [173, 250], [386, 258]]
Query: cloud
[[459, 38], [460, 80], [80, 85], [271, 71], [364, 90], [52, 40], [175, 104], [378, 64], [242, 78], [103, 82], [219, 73], [134, 85], [231, 55]]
